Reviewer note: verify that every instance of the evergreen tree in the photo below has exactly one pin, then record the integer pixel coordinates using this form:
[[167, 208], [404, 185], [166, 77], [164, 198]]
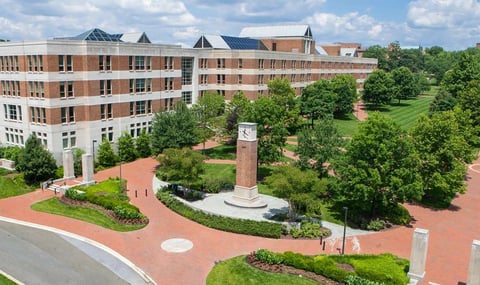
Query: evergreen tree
[[142, 144], [37, 163], [106, 157], [126, 148]]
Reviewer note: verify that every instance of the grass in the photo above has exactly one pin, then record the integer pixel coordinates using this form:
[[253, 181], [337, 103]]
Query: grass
[[220, 170], [13, 185], [54, 206], [5, 281], [347, 126], [237, 271], [406, 113], [224, 151], [290, 147], [108, 186]]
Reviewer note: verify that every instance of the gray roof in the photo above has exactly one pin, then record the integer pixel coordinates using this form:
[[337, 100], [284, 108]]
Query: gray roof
[[99, 35], [277, 31], [352, 52], [228, 42]]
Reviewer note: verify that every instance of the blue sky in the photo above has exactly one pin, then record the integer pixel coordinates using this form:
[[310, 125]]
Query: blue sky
[[452, 24]]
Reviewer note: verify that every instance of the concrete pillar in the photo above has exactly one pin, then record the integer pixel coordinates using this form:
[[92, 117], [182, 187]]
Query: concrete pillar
[[474, 267], [87, 168], [418, 256], [68, 170]]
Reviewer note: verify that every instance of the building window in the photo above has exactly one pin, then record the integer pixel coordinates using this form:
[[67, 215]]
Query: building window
[[240, 63], [69, 140], [203, 63], [140, 85], [140, 107], [35, 63], [38, 115], [168, 103], [284, 64], [65, 63], [66, 89], [187, 70], [168, 83], [204, 79], [274, 46], [272, 64], [12, 112], [14, 136], [261, 63], [106, 87], [220, 78], [11, 88], [260, 79], [106, 111], [104, 62], [148, 83], [187, 97], [107, 134], [239, 79], [130, 62], [220, 63], [293, 78], [139, 62], [294, 64], [68, 115], [168, 64]]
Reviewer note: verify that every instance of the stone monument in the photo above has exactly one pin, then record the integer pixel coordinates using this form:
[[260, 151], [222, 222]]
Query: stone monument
[[245, 193], [418, 256], [87, 169], [68, 169], [474, 267]]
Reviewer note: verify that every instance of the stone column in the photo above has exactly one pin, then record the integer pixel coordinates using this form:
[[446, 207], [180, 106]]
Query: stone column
[[418, 256], [68, 170], [87, 168], [474, 267]]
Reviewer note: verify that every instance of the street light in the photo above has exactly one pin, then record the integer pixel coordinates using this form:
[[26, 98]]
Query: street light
[[93, 151], [344, 229]]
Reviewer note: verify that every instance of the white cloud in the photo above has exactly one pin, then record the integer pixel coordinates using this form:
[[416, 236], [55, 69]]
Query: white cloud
[[187, 33], [443, 13]]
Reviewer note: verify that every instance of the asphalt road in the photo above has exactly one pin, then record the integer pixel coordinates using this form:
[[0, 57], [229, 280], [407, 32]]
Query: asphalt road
[[35, 256]]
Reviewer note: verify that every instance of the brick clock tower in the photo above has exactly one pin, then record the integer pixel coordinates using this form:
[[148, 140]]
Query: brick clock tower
[[245, 193]]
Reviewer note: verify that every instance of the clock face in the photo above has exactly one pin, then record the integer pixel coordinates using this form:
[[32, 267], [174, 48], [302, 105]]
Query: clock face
[[245, 133]]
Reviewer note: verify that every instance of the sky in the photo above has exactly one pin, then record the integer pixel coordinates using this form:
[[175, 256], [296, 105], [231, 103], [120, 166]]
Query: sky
[[451, 24]]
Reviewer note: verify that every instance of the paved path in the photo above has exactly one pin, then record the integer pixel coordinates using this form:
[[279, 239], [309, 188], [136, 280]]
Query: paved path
[[359, 111]]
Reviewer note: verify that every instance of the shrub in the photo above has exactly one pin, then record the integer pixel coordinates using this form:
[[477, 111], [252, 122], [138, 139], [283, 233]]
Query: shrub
[[298, 260], [398, 215], [212, 184], [268, 256], [309, 230], [376, 225], [324, 265], [241, 226], [127, 212], [75, 194]]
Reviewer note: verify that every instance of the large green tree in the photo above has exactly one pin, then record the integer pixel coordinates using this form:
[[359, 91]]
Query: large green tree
[[106, 156], [378, 52], [379, 168], [208, 111], [345, 87], [234, 111], [36, 162], [319, 145], [142, 144], [404, 84], [443, 152], [126, 148], [318, 100], [466, 70], [377, 88], [182, 166], [174, 129], [282, 93]]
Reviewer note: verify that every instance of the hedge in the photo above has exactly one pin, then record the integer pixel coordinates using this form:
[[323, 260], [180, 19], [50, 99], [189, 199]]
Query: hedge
[[240, 226]]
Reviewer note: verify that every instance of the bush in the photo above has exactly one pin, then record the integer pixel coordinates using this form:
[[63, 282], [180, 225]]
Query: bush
[[127, 212], [399, 215], [324, 265], [376, 225], [241, 226], [212, 184], [309, 230], [75, 194], [268, 256]]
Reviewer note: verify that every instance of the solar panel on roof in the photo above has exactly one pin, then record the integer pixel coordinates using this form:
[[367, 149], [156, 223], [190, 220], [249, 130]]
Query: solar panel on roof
[[241, 43]]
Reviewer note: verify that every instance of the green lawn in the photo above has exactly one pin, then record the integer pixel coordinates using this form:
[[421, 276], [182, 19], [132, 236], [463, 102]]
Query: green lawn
[[347, 126], [13, 185], [54, 206], [407, 112], [220, 170], [236, 271], [5, 281], [290, 147], [224, 151]]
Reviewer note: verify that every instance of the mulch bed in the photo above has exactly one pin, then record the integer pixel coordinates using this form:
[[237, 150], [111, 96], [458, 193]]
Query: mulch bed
[[281, 268], [71, 202]]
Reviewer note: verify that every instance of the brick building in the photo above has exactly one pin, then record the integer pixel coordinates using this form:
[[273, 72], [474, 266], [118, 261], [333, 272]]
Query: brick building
[[73, 92]]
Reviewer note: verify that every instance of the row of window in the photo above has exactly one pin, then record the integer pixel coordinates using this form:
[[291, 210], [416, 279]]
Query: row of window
[[36, 89], [10, 88], [35, 63], [9, 63], [38, 115], [14, 136], [140, 107]]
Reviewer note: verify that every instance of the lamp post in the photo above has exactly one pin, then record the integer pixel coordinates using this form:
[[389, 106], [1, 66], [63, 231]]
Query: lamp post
[[93, 152], [344, 229]]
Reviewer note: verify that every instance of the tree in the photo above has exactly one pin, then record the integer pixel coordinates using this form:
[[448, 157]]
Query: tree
[[469, 99], [282, 93], [378, 52], [301, 189], [106, 157], [443, 151], [77, 161], [36, 163], [466, 70], [207, 112], [142, 144], [182, 166], [126, 148], [318, 100], [443, 101], [379, 168], [345, 87], [377, 88], [173, 129], [235, 109], [404, 84], [318, 146], [271, 127]]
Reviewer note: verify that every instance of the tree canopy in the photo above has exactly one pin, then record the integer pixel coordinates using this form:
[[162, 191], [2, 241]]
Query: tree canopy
[[378, 88], [36, 162], [181, 166], [126, 148]]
